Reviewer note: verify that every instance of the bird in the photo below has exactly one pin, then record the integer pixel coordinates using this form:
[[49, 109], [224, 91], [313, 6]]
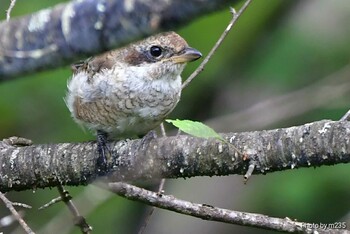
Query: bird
[[129, 91]]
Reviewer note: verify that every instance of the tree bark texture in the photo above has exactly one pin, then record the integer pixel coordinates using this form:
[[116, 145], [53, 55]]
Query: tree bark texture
[[38, 166]]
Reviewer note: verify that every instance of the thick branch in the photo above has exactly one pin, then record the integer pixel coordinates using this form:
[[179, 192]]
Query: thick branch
[[39, 166], [59, 35]]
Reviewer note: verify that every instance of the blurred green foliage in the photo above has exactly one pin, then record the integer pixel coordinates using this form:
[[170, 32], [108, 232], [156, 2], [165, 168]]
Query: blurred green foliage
[[276, 47]]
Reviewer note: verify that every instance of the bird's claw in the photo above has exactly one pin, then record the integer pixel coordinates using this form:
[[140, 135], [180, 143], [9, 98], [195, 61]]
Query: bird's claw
[[147, 138]]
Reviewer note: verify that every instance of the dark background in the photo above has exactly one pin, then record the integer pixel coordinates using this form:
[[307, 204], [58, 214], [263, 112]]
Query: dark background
[[285, 63]]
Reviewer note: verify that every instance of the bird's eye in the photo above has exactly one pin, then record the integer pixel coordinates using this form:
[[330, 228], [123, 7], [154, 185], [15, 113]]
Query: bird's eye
[[156, 51]]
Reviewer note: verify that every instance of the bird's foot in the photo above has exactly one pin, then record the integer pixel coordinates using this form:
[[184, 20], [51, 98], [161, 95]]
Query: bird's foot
[[146, 139], [104, 152]]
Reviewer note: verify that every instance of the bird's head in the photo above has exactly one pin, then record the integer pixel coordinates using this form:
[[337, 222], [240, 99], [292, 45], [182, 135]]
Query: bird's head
[[164, 54], [159, 57]]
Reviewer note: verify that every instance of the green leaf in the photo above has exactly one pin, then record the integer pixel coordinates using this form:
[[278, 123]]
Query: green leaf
[[195, 128]]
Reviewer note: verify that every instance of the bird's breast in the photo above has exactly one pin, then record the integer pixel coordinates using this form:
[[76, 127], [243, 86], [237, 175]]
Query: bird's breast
[[123, 107]]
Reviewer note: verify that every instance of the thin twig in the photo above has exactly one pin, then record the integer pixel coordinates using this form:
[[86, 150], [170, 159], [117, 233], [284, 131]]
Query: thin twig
[[162, 181], [21, 205], [8, 12], [200, 68], [160, 191], [234, 19], [249, 172], [94, 196], [78, 219], [162, 129], [18, 141], [207, 212], [50, 203], [346, 117], [14, 212], [150, 213]]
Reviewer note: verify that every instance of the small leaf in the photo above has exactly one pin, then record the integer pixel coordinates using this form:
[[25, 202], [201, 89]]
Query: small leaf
[[195, 128]]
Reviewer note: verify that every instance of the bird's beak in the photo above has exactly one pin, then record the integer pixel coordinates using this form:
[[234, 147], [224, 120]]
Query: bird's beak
[[187, 55]]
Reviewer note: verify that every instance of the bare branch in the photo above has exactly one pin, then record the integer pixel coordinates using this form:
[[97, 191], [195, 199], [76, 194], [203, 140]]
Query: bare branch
[[346, 117], [160, 190], [150, 213], [8, 11], [79, 220], [60, 35], [310, 145], [51, 203], [94, 196], [15, 214], [21, 205], [232, 22], [208, 212]]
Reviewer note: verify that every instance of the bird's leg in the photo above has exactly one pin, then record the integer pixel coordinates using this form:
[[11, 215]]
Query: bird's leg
[[103, 151]]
